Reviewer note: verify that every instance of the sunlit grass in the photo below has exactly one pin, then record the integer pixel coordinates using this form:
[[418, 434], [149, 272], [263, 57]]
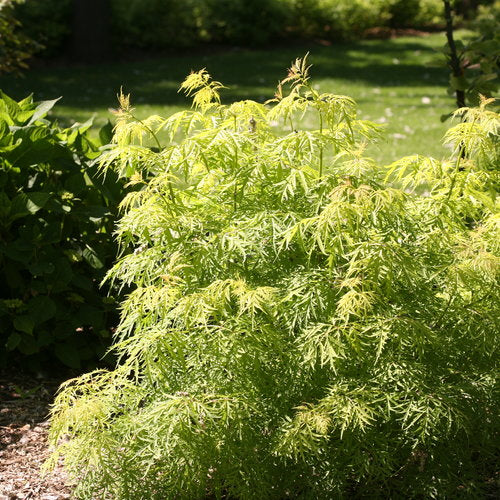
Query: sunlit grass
[[397, 82]]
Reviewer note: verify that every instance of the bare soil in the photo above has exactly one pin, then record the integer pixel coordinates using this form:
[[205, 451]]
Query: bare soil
[[24, 407]]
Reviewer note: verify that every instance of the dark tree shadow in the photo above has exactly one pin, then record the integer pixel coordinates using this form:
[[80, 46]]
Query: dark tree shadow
[[249, 74]]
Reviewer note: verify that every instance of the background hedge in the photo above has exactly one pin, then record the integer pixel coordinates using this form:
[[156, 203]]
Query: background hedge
[[161, 24]]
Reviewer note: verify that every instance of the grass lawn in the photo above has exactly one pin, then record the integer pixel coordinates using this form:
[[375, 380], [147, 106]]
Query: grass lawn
[[397, 82]]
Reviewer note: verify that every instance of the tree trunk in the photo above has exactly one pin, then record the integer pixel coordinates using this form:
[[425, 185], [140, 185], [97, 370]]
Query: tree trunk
[[454, 61], [91, 26]]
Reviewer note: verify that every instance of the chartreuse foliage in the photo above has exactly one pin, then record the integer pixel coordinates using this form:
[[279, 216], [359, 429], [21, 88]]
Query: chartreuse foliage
[[56, 219], [303, 323]]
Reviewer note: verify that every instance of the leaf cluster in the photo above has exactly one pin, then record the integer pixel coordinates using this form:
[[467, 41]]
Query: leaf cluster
[[56, 221], [49, 23], [163, 24], [302, 323], [16, 48], [478, 57]]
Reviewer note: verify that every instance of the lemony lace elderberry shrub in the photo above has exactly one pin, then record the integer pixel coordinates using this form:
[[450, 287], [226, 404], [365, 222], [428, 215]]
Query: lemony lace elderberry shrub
[[303, 323]]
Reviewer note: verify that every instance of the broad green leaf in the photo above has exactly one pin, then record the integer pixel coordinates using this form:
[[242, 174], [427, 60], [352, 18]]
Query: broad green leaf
[[9, 106], [76, 183], [28, 345], [68, 354], [90, 315], [92, 258], [13, 341], [36, 201], [24, 204], [4, 131], [42, 109], [82, 282], [5, 205], [24, 324], [106, 133], [40, 268], [41, 309], [459, 82], [5, 117], [61, 275], [26, 104]]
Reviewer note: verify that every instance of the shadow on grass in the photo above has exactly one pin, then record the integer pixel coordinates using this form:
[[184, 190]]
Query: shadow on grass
[[249, 74]]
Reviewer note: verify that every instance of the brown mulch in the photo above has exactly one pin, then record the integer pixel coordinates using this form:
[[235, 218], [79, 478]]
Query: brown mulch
[[24, 406], [386, 33]]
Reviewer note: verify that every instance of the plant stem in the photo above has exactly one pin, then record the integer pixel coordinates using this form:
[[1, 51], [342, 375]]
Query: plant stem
[[153, 135], [454, 61], [457, 169], [321, 147]]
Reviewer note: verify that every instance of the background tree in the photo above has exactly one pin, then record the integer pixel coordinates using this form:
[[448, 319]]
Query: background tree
[[474, 65], [90, 30], [453, 59], [15, 47]]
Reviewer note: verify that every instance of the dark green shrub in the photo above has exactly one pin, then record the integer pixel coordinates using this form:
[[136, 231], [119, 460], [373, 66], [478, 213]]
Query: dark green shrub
[[487, 20], [469, 8], [16, 47], [403, 12], [305, 17], [348, 19], [159, 23], [56, 221], [243, 22], [475, 65], [163, 24], [303, 323], [48, 22], [342, 19], [416, 13]]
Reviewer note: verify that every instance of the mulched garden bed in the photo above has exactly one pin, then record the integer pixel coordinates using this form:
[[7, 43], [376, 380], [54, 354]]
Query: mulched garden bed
[[24, 407]]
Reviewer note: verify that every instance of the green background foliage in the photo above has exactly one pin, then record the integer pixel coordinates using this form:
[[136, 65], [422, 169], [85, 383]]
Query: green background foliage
[[48, 22], [15, 46], [302, 322], [415, 13], [163, 24], [159, 24], [56, 221], [479, 57]]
